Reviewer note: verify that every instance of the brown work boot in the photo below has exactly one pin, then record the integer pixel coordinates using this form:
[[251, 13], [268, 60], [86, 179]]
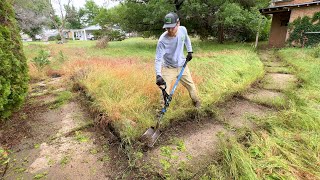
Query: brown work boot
[[197, 104]]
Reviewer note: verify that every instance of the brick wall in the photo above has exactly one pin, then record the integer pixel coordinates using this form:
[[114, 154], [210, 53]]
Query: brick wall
[[292, 2], [304, 11]]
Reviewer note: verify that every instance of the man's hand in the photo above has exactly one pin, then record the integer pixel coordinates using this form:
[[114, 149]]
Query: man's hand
[[189, 56], [160, 80]]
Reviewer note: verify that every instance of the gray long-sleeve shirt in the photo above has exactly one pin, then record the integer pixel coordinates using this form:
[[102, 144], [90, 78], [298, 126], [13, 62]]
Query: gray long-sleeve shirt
[[170, 49]]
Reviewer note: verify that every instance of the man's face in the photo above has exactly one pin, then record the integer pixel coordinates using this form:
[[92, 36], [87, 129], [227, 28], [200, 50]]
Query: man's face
[[173, 31]]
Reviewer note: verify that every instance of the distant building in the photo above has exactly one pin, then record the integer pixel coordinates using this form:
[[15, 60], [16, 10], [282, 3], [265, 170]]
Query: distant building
[[284, 12], [83, 34]]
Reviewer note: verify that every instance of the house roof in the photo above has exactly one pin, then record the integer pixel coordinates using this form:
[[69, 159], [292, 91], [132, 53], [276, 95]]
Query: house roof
[[92, 28], [288, 7]]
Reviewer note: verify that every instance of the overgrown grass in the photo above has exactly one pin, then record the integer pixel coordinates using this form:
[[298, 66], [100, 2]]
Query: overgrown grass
[[287, 145], [125, 89], [120, 80]]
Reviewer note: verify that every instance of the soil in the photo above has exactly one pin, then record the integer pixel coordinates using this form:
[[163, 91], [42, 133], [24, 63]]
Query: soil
[[62, 142], [57, 143]]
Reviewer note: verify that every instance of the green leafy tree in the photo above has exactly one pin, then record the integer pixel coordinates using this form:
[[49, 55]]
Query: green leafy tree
[[234, 19], [89, 12], [74, 20], [13, 66]]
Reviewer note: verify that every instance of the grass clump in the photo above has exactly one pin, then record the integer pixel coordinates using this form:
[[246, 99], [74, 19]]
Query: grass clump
[[62, 98], [41, 175], [80, 137], [4, 159]]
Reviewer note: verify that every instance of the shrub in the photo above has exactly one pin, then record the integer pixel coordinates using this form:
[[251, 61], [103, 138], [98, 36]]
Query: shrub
[[103, 42], [113, 35], [13, 65], [41, 60], [305, 24], [52, 38]]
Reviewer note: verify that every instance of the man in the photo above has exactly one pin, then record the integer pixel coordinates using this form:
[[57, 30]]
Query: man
[[170, 59]]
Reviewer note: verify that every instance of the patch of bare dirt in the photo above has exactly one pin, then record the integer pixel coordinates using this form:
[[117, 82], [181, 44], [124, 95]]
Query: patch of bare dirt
[[57, 143], [236, 112], [263, 96], [193, 143], [273, 64], [277, 81]]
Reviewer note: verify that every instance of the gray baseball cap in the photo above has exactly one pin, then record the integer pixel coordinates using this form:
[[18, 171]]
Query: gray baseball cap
[[170, 20]]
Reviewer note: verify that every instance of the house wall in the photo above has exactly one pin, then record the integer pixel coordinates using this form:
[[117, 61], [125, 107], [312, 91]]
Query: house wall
[[304, 11], [286, 2], [278, 30]]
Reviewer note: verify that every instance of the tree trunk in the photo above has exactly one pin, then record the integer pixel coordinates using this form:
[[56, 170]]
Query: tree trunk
[[63, 40], [220, 33]]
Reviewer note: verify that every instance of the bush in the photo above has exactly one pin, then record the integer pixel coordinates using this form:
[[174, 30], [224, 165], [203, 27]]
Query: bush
[[13, 65], [103, 42], [41, 60], [305, 24], [116, 35], [52, 38], [113, 35]]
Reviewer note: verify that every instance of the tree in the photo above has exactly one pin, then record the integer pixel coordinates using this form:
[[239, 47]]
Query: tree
[[13, 64], [31, 15], [89, 12], [219, 19], [63, 15], [74, 20]]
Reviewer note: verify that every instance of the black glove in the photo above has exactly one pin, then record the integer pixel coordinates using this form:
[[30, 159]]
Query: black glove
[[160, 80], [189, 56]]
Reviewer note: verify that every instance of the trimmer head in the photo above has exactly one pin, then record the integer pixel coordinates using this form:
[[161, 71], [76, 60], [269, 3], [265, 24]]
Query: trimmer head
[[150, 137]]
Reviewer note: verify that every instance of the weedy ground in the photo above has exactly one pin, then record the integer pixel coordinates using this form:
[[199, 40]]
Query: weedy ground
[[118, 83]]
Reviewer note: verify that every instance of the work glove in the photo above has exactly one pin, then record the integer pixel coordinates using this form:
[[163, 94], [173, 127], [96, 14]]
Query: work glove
[[160, 80], [189, 56]]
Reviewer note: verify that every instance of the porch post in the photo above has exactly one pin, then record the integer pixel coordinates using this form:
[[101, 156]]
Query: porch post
[[85, 35]]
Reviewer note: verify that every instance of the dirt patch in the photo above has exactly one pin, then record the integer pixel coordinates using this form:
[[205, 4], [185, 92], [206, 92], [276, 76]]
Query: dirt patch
[[274, 64], [237, 111], [192, 143], [277, 81], [266, 97], [51, 143], [282, 70]]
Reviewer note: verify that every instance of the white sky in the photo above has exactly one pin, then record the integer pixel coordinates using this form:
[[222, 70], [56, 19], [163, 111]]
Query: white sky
[[105, 3]]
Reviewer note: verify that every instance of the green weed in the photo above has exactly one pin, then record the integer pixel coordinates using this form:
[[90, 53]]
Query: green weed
[[93, 151], [4, 159], [80, 137], [36, 146], [62, 98], [65, 160], [41, 60], [41, 175]]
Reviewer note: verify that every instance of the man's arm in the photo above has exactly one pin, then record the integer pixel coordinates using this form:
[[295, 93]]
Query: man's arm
[[159, 57], [187, 41]]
